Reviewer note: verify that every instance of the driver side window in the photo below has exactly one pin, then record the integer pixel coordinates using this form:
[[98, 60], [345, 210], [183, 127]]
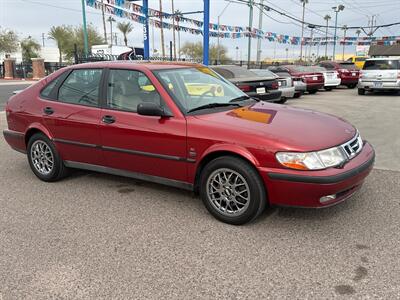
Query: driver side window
[[81, 87]]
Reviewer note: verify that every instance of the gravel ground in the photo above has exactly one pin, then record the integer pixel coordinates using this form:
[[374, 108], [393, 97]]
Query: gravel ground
[[100, 236]]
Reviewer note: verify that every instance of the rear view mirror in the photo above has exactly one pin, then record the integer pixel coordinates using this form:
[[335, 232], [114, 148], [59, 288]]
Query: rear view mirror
[[152, 109]]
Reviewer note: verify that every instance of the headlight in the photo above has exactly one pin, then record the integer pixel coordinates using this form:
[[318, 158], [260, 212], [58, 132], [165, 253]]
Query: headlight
[[312, 160]]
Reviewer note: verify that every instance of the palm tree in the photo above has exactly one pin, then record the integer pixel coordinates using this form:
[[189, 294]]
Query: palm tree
[[61, 35], [125, 28], [326, 18], [29, 49], [304, 2]]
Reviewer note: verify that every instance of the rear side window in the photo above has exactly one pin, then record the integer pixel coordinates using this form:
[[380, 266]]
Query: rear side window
[[47, 91], [81, 87], [381, 65], [348, 66]]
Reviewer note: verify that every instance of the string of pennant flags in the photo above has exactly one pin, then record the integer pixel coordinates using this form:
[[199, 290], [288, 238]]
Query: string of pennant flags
[[135, 12]]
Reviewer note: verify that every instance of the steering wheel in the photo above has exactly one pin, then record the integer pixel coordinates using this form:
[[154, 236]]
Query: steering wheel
[[210, 92]]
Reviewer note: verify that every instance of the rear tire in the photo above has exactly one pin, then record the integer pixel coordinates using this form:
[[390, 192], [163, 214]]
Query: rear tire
[[282, 101], [232, 190], [328, 88], [361, 91], [352, 86], [297, 95], [44, 160]]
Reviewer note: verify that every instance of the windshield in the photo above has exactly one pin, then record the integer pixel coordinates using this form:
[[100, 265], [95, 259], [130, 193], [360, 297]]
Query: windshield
[[230, 72], [347, 66], [264, 72], [381, 65], [196, 87]]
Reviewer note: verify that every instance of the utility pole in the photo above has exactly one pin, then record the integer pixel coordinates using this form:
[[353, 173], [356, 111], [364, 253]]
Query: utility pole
[[287, 54], [179, 14], [302, 28], [344, 28], [260, 21], [111, 20], [162, 31], [42, 39], [85, 34], [251, 3], [218, 37], [173, 28], [326, 18], [115, 38], [336, 9], [104, 21]]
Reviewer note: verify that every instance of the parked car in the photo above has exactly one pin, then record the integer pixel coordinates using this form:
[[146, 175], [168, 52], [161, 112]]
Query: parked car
[[299, 85], [331, 77], [265, 88], [380, 74], [348, 72], [285, 83], [313, 80], [358, 61], [239, 153]]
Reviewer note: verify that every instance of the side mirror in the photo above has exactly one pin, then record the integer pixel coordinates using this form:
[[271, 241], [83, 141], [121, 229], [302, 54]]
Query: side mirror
[[151, 109]]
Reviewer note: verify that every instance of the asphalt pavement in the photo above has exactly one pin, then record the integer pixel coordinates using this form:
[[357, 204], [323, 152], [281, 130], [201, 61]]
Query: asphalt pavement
[[8, 87], [97, 236]]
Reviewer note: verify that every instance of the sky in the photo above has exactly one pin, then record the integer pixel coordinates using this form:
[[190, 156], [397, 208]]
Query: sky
[[34, 17]]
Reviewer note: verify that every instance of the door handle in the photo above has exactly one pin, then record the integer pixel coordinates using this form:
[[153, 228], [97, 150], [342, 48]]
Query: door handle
[[48, 111], [108, 119]]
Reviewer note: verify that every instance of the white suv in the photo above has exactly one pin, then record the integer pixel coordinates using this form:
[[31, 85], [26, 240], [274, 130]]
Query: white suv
[[380, 74]]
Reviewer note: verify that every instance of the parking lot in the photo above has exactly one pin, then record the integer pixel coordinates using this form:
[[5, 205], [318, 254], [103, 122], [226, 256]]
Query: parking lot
[[101, 236]]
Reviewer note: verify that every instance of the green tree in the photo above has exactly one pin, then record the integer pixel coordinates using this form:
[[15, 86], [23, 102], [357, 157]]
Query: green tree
[[94, 38], [62, 35], [8, 41], [125, 28], [195, 51], [29, 48]]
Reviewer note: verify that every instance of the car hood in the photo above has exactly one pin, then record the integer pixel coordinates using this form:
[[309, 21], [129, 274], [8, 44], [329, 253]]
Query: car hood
[[281, 127]]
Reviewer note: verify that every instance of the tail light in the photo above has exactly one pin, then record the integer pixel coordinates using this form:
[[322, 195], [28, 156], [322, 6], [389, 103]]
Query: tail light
[[275, 85], [244, 88]]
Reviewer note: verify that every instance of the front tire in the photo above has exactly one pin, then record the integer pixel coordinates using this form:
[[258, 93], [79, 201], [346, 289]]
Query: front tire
[[44, 160], [282, 101], [232, 190], [361, 91]]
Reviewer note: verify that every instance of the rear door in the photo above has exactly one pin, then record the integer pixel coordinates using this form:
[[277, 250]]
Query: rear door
[[73, 116]]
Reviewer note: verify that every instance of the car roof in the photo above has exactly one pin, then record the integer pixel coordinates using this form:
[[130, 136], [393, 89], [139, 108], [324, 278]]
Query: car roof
[[138, 65], [384, 58]]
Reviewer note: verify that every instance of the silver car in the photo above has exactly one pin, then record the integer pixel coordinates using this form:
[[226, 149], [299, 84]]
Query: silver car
[[285, 83], [380, 74]]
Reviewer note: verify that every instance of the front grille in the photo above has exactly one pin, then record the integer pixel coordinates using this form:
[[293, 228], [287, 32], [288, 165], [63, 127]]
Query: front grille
[[353, 147]]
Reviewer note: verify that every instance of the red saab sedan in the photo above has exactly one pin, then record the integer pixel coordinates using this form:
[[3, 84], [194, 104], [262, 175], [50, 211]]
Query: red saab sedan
[[185, 126]]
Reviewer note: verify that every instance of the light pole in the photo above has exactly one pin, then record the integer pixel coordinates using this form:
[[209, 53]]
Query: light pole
[[326, 18], [344, 28], [312, 27], [302, 28], [336, 9], [85, 34], [287, 54], [251, 3], [358, 32], [219, 16], [111, 20], [260, 21]]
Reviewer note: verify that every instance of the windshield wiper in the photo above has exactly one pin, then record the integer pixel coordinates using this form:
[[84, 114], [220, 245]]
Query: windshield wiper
[[242, 98], [212, 105]]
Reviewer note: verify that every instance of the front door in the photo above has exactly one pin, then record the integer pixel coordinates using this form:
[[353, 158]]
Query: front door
[[148, 145]]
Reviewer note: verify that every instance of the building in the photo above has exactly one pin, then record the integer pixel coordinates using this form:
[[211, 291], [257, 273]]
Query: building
[[384, 50]]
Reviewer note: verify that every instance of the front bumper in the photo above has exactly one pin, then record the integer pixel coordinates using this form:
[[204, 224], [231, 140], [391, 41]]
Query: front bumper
[[379, 85], [288, 187]]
